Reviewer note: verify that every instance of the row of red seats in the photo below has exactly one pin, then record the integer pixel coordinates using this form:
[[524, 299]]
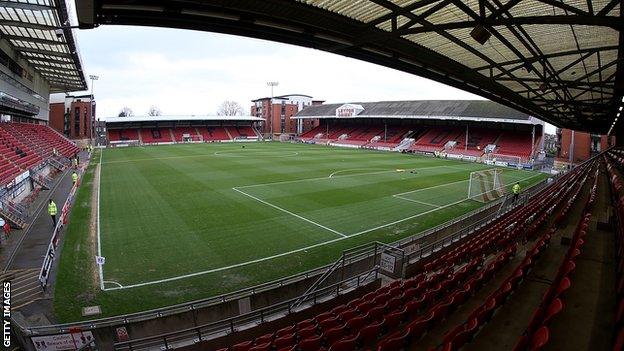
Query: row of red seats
[[439, 312], [615, 159], [463, 333], [457, 337], [361, 322], [537, 333]]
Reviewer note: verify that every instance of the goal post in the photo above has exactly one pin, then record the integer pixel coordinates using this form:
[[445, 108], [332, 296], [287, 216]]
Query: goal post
[[486, 185]]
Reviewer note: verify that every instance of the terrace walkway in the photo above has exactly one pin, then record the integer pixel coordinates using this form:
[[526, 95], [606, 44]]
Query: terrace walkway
[[24, 250]]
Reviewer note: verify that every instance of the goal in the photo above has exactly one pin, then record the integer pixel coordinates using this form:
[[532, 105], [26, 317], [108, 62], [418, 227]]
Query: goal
[[486, 185]]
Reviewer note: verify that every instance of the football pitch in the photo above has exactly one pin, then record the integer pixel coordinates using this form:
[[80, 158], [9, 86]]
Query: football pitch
[[182, 222]]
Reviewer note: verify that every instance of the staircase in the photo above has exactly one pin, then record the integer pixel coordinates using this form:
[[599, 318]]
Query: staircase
[[14, 214], [405, 144], [43, 180], [25, 286], [56, 163]]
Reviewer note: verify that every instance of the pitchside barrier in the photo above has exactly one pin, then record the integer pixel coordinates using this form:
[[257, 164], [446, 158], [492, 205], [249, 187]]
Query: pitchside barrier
[[44, 272]]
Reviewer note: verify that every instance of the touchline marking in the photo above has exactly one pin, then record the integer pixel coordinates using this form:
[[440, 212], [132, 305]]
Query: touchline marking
[[99, 246], [290, 213]]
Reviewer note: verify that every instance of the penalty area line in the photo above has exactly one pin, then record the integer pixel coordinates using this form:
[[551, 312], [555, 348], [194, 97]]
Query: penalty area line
[[290, 213]]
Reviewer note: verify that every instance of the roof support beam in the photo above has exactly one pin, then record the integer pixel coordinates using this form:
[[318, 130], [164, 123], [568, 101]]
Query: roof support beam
[[25, 6], [43, 52], [28, 25], [32, 40], [601, 21]]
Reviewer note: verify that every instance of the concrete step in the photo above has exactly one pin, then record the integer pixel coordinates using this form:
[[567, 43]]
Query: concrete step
[[25, 287]]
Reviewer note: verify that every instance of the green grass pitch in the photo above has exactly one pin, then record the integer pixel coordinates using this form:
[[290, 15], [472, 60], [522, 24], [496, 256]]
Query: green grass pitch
[[184, 222]]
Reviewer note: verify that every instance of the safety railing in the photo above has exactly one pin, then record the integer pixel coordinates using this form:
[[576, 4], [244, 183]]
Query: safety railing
[[206, 331], [46, 265]]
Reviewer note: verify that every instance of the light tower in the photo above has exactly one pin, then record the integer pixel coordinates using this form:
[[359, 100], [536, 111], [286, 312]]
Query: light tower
[[271, 84], [93, 78]]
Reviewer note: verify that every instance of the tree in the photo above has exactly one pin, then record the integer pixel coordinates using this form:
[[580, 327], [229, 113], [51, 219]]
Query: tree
[[230, 108], [126, 112], [154, 111]]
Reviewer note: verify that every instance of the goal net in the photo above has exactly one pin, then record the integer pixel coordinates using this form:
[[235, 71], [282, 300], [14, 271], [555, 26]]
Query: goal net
[[486, 185]]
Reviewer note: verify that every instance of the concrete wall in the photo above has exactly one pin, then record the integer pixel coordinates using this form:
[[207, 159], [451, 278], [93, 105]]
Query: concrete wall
[[23, 87]]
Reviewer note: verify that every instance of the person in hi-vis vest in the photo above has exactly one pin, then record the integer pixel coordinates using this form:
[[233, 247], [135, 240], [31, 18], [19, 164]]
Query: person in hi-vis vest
[[74, 178], [52, 211], [515, 189]]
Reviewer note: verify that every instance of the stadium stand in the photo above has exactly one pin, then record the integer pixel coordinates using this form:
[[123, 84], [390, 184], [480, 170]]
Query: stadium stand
[[156, 135], [214, 133], [402, 314], [24, 146]]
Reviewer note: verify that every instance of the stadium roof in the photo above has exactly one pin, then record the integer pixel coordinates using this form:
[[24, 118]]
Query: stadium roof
[[31, 28], [471, 110], [181, 118], [557, 60]]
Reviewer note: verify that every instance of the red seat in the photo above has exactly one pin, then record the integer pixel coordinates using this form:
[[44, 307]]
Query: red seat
[[265, 347], [243, 346], [284, 341], [369, 333], [394, 342], [356, 323], [418, 328], [540, 338], [563, 286], [346, 344], [263, 339], [334, 334], [310, 344], [307, 332], [555, 307]]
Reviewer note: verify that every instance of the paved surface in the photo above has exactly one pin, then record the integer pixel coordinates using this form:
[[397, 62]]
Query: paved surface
[[24, 250]]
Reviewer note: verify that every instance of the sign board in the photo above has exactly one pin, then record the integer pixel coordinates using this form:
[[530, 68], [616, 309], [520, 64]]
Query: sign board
[[91, 311], [409, 249], [62, 341], [387, 262], [122, 334], [99, 260], [244, 305], [349, 110]]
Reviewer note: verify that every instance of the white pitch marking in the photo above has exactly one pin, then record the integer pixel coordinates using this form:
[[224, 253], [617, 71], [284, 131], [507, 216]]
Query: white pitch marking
[[356, 169], [262, 259], [416, 201], [290, 213], [255, 153], [113, 282], [431, 187], [99, 245]]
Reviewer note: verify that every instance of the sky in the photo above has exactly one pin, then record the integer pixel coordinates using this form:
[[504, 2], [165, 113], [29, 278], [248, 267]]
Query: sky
[[186, 72]]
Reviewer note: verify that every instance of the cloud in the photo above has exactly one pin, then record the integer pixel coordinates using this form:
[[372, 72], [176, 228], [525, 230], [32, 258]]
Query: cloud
[[190, 72], [185, 72]]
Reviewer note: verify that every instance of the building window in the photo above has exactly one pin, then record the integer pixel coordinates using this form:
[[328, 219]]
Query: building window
[[77, 121]]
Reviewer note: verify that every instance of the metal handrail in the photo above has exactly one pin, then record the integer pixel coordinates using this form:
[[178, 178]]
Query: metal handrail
[[233, 324]]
